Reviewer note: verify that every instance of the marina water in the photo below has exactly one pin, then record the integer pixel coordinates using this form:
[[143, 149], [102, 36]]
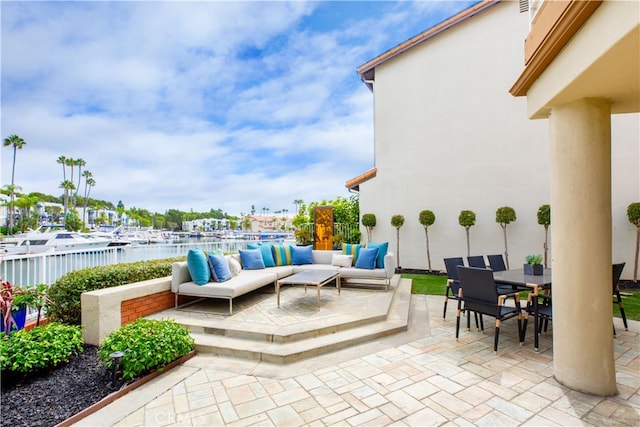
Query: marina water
[[31, 269]]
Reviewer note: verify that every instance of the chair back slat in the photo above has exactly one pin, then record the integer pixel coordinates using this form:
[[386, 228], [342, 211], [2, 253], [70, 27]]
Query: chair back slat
[[496, 262]]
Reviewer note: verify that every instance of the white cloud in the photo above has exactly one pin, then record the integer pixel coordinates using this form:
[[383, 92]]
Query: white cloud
[[197, 105]]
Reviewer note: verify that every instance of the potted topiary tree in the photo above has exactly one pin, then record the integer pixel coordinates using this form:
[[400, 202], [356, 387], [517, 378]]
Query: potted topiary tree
[[544, 218], [633, 214], [397, 221], [369, 221], [504, 216], [427, 218], [467, 219]]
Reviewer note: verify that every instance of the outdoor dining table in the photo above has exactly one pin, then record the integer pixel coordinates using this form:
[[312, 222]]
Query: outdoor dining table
[[526, 282]]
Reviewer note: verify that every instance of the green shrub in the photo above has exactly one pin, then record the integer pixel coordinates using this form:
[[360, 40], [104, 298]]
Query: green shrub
[[40, 348], [147, 345], [64, 294]]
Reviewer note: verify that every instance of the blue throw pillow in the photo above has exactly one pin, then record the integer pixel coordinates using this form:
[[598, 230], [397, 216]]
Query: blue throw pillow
[[382, 251], [251, 259], [367, 258], [221, 270], [267, 255], [212, 269], [198, 266], [301, 255]]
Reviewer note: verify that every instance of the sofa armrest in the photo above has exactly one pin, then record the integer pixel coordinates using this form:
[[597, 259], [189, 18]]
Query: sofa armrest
[[389, 265], [179, 275]]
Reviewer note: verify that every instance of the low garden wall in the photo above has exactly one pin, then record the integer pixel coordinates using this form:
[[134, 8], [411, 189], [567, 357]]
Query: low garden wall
[[105, 310]]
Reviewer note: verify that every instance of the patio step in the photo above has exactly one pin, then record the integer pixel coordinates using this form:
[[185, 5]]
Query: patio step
[[291, 343]]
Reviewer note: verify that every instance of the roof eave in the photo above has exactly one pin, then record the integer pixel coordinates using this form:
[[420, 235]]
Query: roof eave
[[367, 70], [354, 183]]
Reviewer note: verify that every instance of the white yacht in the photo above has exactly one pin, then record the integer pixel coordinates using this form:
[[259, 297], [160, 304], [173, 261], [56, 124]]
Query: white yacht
[[58, 240]]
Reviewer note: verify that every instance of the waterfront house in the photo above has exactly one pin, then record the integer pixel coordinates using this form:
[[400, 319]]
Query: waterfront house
[[449, 136], [448, 128]]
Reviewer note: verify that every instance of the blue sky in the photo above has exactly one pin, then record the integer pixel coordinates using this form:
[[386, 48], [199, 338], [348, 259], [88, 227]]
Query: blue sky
[[198, 105]]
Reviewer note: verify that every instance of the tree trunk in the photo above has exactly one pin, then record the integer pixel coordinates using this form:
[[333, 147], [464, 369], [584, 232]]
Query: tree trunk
[[546, 247], [398, 245], [635, 261], [468, 244], [426, 233], [506, 252]]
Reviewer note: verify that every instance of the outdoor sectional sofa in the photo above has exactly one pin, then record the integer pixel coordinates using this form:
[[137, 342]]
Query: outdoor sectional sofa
[[246, 279]]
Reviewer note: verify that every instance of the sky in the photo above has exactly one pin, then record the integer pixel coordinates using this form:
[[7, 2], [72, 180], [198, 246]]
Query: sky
[[197, 105]]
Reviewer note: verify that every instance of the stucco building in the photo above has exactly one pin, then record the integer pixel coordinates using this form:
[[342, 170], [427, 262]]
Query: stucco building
[[449, 136]]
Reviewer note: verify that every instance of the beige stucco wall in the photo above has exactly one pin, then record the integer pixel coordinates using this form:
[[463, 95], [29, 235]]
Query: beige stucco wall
[[449, 136]]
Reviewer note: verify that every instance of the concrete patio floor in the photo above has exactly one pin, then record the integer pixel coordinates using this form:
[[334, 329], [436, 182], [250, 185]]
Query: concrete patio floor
[[416, 378]]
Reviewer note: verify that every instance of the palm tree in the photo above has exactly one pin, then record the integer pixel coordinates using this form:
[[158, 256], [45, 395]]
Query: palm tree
[[26, 203], [298, 203], [67, 186], [17, 143], [88, 183], [80, 163], [71, 163], [63, 161]]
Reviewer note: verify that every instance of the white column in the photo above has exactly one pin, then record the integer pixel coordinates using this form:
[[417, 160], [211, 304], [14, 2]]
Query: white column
[[580, 137]]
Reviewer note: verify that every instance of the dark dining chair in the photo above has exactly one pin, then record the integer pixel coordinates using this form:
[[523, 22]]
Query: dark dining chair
[[453, 281], [476, 261], [539, 306], [480, 295], [496, 262], [616, 273]]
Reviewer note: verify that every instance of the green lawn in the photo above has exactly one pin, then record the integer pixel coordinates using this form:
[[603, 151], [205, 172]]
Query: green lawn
[[430, 284]]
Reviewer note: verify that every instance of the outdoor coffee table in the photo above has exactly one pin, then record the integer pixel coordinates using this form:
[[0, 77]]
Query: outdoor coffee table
[[309, 278]]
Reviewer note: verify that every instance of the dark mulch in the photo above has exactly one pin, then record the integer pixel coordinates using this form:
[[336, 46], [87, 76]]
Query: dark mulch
[[48, 398]]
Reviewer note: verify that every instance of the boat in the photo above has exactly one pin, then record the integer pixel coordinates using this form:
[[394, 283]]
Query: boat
[[48, 238], [148, 235], [115, 234]]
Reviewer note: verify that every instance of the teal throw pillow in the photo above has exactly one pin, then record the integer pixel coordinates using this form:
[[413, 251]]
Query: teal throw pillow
[[282, 254], [267, 255], [198, 266], [301, 255], [382, 251], [367, 258], [352, 249], [220, 268], [251, 259]]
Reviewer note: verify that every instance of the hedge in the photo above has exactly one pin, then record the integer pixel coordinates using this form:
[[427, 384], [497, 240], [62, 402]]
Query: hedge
[[64, 294]]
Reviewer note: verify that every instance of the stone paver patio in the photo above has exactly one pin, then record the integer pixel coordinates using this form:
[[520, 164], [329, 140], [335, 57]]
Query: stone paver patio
[[418, 378]]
